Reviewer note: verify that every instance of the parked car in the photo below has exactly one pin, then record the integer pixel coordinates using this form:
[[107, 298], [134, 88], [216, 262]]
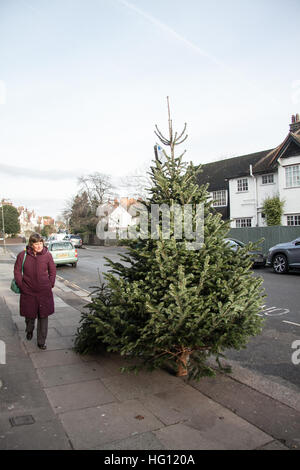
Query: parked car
[[257, 256], [63, 252], [75, 239], [284, 256]]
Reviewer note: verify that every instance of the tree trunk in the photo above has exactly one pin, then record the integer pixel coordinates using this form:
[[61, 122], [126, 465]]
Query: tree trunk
[[183, 363]]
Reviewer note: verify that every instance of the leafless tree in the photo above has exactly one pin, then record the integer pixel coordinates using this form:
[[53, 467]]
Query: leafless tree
[[98, 187], [136, 184]]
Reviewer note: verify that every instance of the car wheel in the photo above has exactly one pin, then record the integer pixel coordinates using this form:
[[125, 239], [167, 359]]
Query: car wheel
[[74, 265], [280, 264]]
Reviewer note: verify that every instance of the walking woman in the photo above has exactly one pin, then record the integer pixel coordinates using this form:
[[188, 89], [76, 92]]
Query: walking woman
[[36, 284]]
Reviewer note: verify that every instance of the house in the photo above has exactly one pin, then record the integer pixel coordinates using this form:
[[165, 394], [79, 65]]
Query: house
[[240, 185], [28, 221], [115, 218]]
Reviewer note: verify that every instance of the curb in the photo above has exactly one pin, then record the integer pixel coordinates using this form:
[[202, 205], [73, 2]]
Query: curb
[[258, 382]]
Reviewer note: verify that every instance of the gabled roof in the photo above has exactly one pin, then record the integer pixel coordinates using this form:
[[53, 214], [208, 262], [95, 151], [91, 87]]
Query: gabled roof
[[217, 173], [269, 162]]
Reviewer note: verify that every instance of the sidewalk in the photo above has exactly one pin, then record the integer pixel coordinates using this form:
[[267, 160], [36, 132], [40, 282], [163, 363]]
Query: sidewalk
[[58, 400]]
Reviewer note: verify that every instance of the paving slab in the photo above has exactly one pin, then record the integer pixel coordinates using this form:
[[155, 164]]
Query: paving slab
[[273, 417], [58, 357], [61, 375], [78, 395], [67, 320], [283, 393], [60, 342], [48, 435], [203, 415], [93, 427], [235, 435], [146, 440], [182, 403], [27, 420], [274, 445], [126, 386], [67, 330]]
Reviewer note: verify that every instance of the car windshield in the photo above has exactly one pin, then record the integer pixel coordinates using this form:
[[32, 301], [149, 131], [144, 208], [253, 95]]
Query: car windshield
[[234, 243], [62, 246]]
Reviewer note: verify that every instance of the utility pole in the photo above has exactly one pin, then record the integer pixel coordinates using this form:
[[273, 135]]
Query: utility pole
[[3, 229]]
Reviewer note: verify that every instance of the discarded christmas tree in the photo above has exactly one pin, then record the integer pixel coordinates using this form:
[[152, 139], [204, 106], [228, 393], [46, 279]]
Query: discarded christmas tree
[[170, 302]]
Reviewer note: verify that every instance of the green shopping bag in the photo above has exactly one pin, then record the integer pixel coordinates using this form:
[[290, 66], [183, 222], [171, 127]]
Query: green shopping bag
[[13, 286]]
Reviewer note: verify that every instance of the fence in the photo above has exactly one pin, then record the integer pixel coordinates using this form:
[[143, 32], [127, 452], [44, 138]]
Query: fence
[[271, 235]]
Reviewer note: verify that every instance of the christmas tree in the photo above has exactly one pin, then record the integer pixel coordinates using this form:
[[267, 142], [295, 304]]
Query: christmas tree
[[173, 300]]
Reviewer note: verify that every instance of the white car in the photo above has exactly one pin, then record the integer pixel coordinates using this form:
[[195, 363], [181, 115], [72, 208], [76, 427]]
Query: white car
[[63, 252]]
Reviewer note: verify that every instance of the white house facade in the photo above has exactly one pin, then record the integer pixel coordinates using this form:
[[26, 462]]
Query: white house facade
[[28, 221], [239, 186]]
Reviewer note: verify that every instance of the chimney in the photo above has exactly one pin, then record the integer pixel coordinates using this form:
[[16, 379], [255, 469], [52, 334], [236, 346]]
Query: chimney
[[295, 124]]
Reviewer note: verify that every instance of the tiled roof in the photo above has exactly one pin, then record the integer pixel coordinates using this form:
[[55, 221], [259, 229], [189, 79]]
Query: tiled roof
[[217, 173], [269, 162]]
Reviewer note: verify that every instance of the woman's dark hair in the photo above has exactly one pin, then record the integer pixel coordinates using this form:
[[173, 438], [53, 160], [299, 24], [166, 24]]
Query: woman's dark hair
[[34, 238]]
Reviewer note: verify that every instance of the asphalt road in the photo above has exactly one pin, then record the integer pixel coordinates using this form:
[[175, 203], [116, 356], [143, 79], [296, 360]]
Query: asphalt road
[[269, 353], [91, 264]]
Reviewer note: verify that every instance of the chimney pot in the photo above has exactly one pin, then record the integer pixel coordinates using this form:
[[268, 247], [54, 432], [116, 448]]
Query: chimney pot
[[295, 124]]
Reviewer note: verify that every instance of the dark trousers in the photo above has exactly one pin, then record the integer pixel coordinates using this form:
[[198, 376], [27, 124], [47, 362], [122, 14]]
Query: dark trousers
[[42, 328]]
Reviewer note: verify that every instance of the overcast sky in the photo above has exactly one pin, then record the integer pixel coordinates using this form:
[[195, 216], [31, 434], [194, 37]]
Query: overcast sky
[[83, 83]]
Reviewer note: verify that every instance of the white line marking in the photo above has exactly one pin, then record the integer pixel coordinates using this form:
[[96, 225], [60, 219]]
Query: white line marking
[[70, 283], [290, 322]]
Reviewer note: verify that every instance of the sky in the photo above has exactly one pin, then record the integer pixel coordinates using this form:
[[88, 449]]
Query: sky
[[84, 82]]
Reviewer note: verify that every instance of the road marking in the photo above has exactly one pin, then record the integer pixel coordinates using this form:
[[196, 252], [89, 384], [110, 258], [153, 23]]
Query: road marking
[[270, 311], [69, 283], [290, 322]]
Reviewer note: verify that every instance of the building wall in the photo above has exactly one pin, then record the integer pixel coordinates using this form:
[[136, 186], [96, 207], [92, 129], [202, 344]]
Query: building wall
[[291, 196], [265, 191], [249, 204], [242, 204]]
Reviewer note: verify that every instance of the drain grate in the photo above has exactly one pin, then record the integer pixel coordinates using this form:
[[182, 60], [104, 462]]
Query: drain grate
[[22, 420]]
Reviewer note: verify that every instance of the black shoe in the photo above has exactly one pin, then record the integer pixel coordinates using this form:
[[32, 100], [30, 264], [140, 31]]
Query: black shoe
[[42, 346], [29, 336]]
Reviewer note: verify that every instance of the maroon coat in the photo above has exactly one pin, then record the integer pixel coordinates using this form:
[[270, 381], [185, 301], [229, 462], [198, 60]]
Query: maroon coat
[[36, 285]]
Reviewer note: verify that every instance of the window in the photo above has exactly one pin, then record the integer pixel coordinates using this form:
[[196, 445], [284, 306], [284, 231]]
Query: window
[[244, 222], [292, 176], [219, 198], [293, 219], [268, 179], [242, 184], [62, 246]]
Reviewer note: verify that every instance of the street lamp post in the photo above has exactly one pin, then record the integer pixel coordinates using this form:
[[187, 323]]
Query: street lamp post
[[3, 229]]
